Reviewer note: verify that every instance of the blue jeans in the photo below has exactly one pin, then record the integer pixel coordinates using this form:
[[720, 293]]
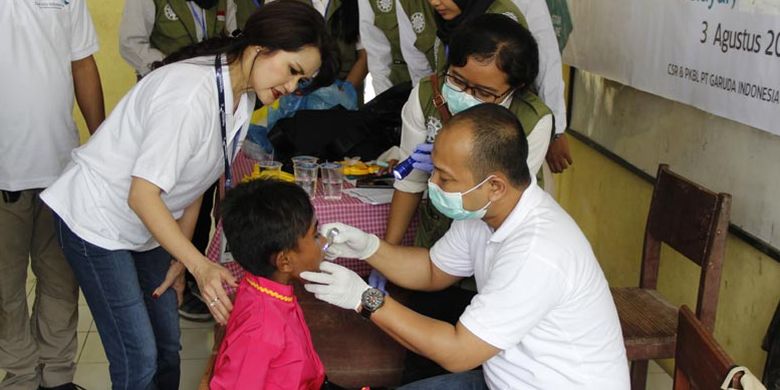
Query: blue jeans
[[140, 334], [469, 380]]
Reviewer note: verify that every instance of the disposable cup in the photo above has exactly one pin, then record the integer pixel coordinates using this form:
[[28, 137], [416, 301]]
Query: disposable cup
[[332, 180]]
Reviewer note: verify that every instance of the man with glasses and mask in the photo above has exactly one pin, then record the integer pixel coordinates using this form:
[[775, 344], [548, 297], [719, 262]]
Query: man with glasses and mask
[[543, 316]]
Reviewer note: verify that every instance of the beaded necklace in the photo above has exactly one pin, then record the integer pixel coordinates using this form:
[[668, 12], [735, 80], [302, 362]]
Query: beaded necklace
[[267, 291]]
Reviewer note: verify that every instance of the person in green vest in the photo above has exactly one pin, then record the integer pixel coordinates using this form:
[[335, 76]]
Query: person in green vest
[[341, 17], [379, 36], [426, 27], [239, 12], [491, 59], [153, 29]]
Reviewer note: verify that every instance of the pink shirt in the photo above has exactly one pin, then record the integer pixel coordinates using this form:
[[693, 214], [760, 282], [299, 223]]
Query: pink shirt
[[267, 344]]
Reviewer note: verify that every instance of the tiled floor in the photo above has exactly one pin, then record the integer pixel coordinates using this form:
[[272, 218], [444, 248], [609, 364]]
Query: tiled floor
[[92, 369], [92, 365]]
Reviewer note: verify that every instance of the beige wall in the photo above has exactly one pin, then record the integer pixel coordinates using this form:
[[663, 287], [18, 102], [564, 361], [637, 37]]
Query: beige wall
[[610, 204], [116, 75]]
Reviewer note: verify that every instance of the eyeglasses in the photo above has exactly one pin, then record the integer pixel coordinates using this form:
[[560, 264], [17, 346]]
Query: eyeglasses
[[480, 93]]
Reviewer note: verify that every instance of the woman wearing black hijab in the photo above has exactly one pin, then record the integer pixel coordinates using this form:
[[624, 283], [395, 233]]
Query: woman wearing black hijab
[[425, 27]]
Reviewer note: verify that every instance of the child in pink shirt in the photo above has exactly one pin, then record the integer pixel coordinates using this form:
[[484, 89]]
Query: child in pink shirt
[[272, 233]]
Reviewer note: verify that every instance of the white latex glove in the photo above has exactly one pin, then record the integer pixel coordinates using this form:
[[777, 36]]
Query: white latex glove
[[336, 285], [351, 242]]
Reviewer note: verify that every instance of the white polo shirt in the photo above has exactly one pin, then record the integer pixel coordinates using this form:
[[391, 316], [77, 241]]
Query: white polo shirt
[[37, 132], [165, 130], [542, 299]]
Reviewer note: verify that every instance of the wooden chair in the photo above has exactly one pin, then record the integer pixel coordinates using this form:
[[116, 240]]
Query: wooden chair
[[693, 221], [699, 362]]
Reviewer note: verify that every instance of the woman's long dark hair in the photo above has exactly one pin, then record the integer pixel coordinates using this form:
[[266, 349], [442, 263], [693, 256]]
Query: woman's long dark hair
[[287, 25], [496, 37]]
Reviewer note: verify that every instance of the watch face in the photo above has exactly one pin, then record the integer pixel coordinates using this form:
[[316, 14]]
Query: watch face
[[373, 299]]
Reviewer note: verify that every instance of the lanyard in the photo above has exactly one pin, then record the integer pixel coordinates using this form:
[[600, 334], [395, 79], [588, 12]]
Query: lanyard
[[200, 19], [258, 3], [223, 123]]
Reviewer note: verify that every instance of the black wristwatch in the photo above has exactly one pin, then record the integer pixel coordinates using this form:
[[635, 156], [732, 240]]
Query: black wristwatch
[[371, 301]]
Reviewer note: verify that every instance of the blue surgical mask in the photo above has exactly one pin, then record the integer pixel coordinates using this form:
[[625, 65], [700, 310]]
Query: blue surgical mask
[[451, 203], [458, 101]]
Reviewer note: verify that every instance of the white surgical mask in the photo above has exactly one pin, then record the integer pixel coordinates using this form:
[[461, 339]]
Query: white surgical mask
[[458, 101], [451, 203]]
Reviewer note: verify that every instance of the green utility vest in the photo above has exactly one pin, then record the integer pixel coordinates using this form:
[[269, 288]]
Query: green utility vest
[[386, 20], [528, 108], [421, 16], [245, 9], [175, 25], [347, 51]]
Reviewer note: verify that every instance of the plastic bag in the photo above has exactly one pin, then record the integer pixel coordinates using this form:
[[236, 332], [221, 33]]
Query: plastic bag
[[340, 93]]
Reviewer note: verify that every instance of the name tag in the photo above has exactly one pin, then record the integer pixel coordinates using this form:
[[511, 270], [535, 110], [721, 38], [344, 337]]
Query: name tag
[[224, 252], [51, 4]]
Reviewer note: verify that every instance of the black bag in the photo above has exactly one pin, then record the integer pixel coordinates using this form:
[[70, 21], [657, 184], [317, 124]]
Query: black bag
[[337, 133]]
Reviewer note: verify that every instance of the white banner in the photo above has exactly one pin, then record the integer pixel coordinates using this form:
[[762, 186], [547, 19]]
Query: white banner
[[722, 56]]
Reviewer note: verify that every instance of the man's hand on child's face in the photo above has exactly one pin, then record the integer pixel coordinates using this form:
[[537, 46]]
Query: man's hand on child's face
[[350, 242], [336, 285]]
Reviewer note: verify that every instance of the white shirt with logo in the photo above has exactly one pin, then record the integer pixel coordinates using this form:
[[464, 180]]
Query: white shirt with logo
[[37, 132], [542, 299], [166, 130]]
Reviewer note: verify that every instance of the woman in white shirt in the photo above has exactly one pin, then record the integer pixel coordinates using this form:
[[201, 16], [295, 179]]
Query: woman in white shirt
[[127, 203]]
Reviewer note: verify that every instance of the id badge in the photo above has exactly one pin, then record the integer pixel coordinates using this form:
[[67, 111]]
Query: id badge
[[224, 252]]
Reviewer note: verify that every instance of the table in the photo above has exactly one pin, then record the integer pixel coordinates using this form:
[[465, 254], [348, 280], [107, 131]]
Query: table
[[348, 210]]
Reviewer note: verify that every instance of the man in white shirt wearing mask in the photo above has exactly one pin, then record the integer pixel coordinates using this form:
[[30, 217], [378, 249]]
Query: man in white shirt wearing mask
[[543, 316]]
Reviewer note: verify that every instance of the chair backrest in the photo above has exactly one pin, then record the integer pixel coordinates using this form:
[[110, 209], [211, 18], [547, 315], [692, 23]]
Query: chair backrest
[[694, 221], [700, 363]]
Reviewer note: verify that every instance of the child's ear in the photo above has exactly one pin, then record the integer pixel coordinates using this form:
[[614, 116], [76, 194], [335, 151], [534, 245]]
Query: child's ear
[[283, 261]]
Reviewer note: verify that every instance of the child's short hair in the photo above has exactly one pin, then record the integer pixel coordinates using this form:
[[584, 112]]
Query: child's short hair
[[262, 218]]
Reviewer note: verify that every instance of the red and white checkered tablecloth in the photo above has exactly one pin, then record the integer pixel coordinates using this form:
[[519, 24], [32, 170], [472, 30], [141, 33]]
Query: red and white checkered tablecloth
[[348, 210]]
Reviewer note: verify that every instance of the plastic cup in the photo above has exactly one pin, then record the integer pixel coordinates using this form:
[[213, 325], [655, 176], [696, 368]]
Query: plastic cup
[[299, 159], [332, 180], [270, 166], [306, 177]]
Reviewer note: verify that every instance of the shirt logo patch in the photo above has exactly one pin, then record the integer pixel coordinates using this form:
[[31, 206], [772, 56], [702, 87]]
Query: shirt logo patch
[[385, 5], [168, 11], [418, 22], [510, 15], [432, 127]]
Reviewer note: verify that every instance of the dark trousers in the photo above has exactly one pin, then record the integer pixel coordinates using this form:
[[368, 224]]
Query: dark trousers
[[446, 305]]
